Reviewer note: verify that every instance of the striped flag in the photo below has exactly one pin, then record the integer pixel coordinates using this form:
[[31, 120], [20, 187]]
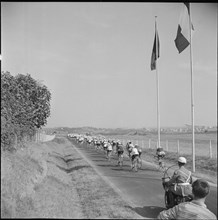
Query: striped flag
[[156, 50], [183, 33]]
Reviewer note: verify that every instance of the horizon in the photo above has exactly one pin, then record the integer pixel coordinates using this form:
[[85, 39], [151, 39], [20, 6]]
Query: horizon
[[210, 126]]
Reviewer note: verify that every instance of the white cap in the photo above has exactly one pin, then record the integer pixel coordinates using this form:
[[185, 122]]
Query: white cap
[[182, 160]]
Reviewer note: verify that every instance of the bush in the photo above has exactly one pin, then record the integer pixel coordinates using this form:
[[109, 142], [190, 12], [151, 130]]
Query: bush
[[25, 106]]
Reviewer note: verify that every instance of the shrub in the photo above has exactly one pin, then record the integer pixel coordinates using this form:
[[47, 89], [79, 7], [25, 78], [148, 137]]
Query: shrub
[[25, 106]]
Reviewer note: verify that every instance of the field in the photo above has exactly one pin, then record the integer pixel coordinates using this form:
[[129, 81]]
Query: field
[[176, 142]]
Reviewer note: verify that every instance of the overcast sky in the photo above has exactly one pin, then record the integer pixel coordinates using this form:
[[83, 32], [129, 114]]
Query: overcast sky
[[95, 60]]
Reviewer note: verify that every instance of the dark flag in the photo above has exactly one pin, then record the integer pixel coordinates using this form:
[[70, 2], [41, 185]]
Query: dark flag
[[183, 33], [156, 50]]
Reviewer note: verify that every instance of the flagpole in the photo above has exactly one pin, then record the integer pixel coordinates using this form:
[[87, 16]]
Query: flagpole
[[157, 82], [192, 93]]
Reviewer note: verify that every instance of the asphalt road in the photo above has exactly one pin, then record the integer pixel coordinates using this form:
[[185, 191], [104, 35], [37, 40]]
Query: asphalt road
[[143, 188]]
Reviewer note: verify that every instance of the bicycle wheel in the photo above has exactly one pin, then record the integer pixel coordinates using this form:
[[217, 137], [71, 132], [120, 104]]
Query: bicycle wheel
[[166, 200], [135, 164], [139, 163], [120, 161], [109, 156]]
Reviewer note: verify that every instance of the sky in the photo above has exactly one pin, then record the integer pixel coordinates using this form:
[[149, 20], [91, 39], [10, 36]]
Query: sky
[[95, 60]]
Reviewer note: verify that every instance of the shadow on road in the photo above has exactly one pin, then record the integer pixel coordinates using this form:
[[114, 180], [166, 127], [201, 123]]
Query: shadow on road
[[148, 211], [69, 170], [99, 160], [106, 165]]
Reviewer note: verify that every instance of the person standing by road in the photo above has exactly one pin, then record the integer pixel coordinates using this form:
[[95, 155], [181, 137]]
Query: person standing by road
[[196, 209]]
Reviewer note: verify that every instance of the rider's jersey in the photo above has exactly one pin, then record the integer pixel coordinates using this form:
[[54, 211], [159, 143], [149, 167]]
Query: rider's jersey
[[109, 146], [134, 152], [160, 152], [181, 175], [131, 146], [120, 147]]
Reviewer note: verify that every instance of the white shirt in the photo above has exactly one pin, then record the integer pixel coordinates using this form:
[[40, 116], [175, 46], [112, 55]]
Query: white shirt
[[109, 147], [134, 151]]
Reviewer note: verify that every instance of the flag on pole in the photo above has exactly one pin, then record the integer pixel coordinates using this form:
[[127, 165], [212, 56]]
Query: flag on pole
[[183, 36], [156, 50]]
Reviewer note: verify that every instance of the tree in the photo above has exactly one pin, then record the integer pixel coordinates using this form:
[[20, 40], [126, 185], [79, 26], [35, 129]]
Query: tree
[[25, 106]]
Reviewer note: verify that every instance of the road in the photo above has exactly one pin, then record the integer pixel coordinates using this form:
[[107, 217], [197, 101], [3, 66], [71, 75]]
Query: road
[[143, 189]]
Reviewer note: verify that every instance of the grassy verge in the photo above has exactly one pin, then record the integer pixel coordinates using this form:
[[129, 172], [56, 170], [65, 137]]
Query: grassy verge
[[51, 180]]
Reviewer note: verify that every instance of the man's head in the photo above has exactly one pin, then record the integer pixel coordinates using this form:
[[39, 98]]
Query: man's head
[[181, 161], [200, 188]]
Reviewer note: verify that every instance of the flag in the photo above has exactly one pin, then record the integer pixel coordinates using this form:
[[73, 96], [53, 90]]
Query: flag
[[155, 51], [183, 33]]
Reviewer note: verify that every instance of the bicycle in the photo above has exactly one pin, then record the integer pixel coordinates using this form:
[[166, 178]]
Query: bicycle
[[108, 154], [120, 159], [135, 163], [161, 165]]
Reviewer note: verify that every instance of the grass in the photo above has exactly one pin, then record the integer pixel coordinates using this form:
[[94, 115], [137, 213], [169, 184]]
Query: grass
[[50, 180]]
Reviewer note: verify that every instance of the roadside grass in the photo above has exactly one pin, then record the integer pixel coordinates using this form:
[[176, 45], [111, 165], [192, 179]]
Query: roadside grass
[[50, 180], [33, 188]]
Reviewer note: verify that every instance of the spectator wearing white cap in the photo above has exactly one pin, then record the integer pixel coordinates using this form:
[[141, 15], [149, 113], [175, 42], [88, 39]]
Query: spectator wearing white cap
[[181, 180]]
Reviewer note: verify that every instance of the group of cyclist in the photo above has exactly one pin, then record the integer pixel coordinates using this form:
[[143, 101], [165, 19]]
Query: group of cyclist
[[116, 147], [180, 184]]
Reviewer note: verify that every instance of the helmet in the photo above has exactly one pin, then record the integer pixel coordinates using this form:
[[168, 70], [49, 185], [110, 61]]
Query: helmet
[[182, 160]]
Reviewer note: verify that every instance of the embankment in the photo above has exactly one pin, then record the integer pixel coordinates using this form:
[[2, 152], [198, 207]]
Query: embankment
[[50, 180]]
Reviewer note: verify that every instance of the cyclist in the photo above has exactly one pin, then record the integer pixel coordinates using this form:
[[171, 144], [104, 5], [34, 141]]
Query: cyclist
[[105, 144], [98, 144], [134, 156], [114, 145], [129, 147], [120, 151], [180, 182], [196, 209], [160, 154], [140, 153], [139, 150], [109, 150]]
